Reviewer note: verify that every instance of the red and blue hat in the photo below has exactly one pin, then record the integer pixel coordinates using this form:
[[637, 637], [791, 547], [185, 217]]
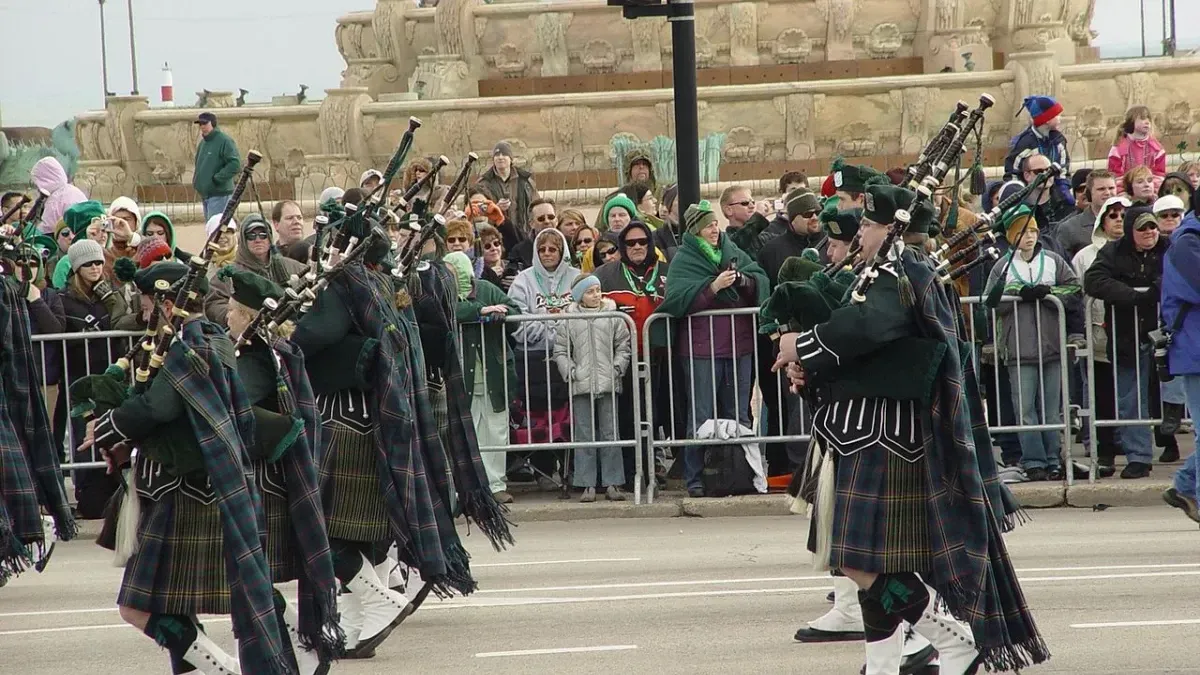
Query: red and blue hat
[[1042, 109]]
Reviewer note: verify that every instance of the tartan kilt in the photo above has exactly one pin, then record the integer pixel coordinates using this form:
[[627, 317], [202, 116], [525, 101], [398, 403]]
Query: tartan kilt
[[350, 470], [179, 567], [880, 514]]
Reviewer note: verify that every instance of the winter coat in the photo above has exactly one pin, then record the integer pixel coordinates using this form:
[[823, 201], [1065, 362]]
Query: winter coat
[[50, 177], [485, 341], [46, 317], [1181, 289], [217, 162], [537, 291], [1130, 152], [1120, 269], [592, 355], [785, 246], [518, 189], [1029, 330], [85, 315], [1095, 308], [638, 295]]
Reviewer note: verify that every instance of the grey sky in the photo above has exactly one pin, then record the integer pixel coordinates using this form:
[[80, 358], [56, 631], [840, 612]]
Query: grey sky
[[50, 49]]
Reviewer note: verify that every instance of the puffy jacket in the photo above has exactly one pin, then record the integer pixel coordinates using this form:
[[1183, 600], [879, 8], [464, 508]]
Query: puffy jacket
[[1180, 289], [1029, 331], [592, 355], [1118, 271]]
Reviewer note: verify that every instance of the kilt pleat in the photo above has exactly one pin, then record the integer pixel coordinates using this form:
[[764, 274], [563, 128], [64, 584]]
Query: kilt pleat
[[881, 519], [180, 564], [351, 473]]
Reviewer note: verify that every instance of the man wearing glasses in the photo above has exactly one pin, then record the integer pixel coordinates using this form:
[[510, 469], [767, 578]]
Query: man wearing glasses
[[542, 216]]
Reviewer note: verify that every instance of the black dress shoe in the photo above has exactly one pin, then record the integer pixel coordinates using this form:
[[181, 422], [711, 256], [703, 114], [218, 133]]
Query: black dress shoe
[[1106, 470], [830, 596], [1170, 454], [915, 664], [1136, 470], [696, 492], [1036, 474]]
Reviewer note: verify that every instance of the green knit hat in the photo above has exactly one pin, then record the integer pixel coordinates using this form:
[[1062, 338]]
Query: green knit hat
[[79, 216], [621, 200], [249, 289], [698, 216], [840, 225]]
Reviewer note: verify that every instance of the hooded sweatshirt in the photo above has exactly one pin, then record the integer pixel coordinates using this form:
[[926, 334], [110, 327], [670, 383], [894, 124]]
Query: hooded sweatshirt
[[539, 291], [278, 269], [636, 289], [49, 176], [1081, 262], [165, 220]]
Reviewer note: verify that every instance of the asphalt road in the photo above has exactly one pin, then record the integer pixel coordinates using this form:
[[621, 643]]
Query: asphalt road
[[1114, 592]]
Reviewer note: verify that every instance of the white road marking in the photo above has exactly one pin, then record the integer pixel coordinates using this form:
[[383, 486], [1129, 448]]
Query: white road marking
[[562, 650], [1137, 624], [653, 584], [58, 611], [104, 626], [556, 562]]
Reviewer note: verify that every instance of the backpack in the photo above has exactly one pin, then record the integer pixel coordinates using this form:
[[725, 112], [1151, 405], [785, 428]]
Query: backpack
[[726, 471]]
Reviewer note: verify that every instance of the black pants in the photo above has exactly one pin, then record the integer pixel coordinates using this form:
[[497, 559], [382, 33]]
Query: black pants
[[776, 403]]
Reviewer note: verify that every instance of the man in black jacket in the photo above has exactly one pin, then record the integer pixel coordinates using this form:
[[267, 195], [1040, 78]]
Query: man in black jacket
[[1127, 275]]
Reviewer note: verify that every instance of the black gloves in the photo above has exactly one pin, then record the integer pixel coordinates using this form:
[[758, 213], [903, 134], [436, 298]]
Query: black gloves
[[1033, 293]]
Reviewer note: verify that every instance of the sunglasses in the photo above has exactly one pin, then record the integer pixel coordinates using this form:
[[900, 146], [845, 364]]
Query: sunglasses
[[94, 263], [1115, 214], [66, 234], [547, 218], [1147, 226], [637, 242], [547, 249], [256, 236], [743, 203], [1170, 214], [609, 251], [808, 214], [589, 240], [489, 245], [457, 240]]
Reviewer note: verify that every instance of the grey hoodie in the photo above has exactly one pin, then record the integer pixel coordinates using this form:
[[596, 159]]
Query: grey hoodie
[[537, 291]]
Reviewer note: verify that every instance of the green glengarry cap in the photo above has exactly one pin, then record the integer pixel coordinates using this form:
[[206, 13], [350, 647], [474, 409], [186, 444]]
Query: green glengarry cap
[[922, 214], [248, 288], [883, 201], [841, 225]]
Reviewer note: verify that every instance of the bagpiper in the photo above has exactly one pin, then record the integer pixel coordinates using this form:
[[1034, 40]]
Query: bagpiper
[[198, 540], [901, 507]]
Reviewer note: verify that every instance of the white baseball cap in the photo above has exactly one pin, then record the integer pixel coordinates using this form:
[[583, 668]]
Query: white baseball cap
[[1169, 203]]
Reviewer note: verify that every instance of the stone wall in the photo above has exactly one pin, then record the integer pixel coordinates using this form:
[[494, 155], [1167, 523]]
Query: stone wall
[[444, 52]]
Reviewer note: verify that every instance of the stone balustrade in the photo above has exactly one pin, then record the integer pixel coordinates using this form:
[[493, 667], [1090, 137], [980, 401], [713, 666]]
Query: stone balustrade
[[573, 141]]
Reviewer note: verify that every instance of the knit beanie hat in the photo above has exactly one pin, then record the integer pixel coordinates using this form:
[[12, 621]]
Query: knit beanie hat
[[800, 200], [463, 272], [79, 216], [617, 200], [1021, 220], [698, 216], [62, 225], [581, 285], [83, 252], [503, 149], [150, 252], [1041, 109]]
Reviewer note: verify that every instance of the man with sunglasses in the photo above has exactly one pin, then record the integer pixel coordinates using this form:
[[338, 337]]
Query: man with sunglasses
[[1126, 276], [542, 216]]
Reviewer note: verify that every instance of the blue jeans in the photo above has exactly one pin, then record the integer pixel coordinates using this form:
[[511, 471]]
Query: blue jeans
[[214, 205], [721, 376], [1173, 392], [1037, 386], [1187, 479], [1133, 402], [595, 423]]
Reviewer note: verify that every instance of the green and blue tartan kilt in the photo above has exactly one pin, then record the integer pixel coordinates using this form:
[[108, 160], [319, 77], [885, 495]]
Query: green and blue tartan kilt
[[180, 564], [351, 472], [880, 515]]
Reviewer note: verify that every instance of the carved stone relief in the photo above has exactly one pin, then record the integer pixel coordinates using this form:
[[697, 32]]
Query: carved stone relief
[[743, 34], [647, 43], [598, 56], [743, 145], [792, 46], [799, 111], [884, 41], [1137, 88], [1091, 123], [1177, 119], [455, 127], [550, 29], [382, 24], [839, 16], [856, 140], [565, 124], [510, 61]]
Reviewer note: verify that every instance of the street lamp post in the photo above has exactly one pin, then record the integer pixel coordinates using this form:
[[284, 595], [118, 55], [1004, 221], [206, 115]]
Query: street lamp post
[[132, 49], [104, 52]]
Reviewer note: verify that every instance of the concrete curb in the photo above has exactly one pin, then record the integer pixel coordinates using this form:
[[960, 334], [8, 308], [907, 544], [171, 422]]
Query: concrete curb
[[674, 505]]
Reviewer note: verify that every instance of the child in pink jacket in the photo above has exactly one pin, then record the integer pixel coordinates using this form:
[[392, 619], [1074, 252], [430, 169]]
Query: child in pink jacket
[[1136, 145]]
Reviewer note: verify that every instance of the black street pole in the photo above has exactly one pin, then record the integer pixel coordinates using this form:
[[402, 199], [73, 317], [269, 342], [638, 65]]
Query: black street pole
[[687, 134], [132, 49], [1174, 44]]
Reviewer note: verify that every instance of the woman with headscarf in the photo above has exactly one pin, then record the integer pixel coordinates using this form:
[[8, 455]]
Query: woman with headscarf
[[49, 176], [709, 272]]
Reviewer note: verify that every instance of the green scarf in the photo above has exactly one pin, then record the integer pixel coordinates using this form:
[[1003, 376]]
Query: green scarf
[[692, 269], [713, 255]]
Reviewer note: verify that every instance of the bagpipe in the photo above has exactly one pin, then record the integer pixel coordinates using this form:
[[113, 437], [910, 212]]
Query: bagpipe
[[808, 292]]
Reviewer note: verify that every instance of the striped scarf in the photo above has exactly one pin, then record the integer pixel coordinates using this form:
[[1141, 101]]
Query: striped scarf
[[318, 627], [220, 413], [30, 476], [971, 569]]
